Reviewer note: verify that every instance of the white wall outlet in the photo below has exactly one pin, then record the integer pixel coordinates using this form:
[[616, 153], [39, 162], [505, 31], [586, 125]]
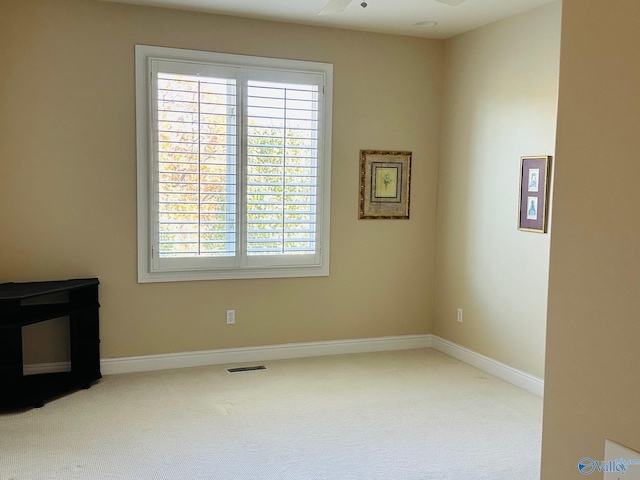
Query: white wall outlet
[[620, 463], [231, 317], [459, 318]]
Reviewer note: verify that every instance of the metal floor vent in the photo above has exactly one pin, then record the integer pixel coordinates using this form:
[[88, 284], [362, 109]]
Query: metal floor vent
[[246, 369]]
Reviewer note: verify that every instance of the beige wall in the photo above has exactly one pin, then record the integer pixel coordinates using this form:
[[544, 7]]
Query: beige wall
[[501, 87], [67, 194], [592, 388], [68, 177]]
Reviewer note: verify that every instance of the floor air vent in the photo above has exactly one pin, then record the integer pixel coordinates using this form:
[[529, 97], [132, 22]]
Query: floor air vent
[[246, 369]]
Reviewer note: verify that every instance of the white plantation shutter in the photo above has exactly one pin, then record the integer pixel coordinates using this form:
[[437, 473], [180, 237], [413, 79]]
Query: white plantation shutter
[[236, 159], [196, 166], [282, 166]]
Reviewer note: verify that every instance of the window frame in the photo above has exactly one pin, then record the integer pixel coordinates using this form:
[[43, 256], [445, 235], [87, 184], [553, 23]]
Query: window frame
[[309, 265]]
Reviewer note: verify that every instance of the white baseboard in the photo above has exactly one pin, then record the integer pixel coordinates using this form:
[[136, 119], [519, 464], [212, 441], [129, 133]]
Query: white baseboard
[[509, 374], [258, 354], [54, 367], [110, 366]]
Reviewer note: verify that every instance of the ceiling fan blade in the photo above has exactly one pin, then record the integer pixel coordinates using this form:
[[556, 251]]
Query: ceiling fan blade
[[334, 6], [453, 3]]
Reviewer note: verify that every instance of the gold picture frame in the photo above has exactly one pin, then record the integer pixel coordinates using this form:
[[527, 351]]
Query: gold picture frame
[[385, 180], [533, 202]]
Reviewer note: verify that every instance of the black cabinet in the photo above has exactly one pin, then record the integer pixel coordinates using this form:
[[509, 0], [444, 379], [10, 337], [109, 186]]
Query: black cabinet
[[24, 304]]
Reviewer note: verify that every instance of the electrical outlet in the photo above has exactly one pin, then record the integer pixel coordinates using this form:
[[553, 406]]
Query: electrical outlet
[[620, 463], [459, 318], [231, 317]]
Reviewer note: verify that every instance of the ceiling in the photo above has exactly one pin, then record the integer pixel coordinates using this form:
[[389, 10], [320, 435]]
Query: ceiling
[[384, 16]]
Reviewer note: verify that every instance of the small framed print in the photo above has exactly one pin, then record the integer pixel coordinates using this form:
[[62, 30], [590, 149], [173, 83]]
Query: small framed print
[[534, 193], [385, 178]]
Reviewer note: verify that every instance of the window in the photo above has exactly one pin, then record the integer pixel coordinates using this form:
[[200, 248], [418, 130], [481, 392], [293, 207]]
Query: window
[[234, 166]]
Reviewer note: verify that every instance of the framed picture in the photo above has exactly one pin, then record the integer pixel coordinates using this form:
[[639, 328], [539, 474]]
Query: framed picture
[[384, 184], [534, 193]]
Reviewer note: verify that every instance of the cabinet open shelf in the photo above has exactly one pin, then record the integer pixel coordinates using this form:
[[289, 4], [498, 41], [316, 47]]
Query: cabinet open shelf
[[23, 304]]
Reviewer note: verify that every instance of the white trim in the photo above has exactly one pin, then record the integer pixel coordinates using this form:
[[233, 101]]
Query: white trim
[[111, 366], [38, 368], [509, 374]]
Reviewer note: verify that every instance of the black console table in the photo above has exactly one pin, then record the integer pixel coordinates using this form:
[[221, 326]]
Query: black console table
[[24, 304]]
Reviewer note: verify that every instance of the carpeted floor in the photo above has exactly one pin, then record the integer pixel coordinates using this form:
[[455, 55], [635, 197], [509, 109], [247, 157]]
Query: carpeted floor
[[405, 415]]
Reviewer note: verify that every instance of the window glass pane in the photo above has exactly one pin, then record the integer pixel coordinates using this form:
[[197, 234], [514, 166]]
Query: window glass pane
[[196, 166]]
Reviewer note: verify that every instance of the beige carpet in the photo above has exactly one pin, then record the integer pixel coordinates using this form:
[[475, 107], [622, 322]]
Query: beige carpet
[[403, 415]]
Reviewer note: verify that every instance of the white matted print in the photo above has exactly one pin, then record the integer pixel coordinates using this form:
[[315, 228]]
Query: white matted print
[[534, 179], [532, 208]]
